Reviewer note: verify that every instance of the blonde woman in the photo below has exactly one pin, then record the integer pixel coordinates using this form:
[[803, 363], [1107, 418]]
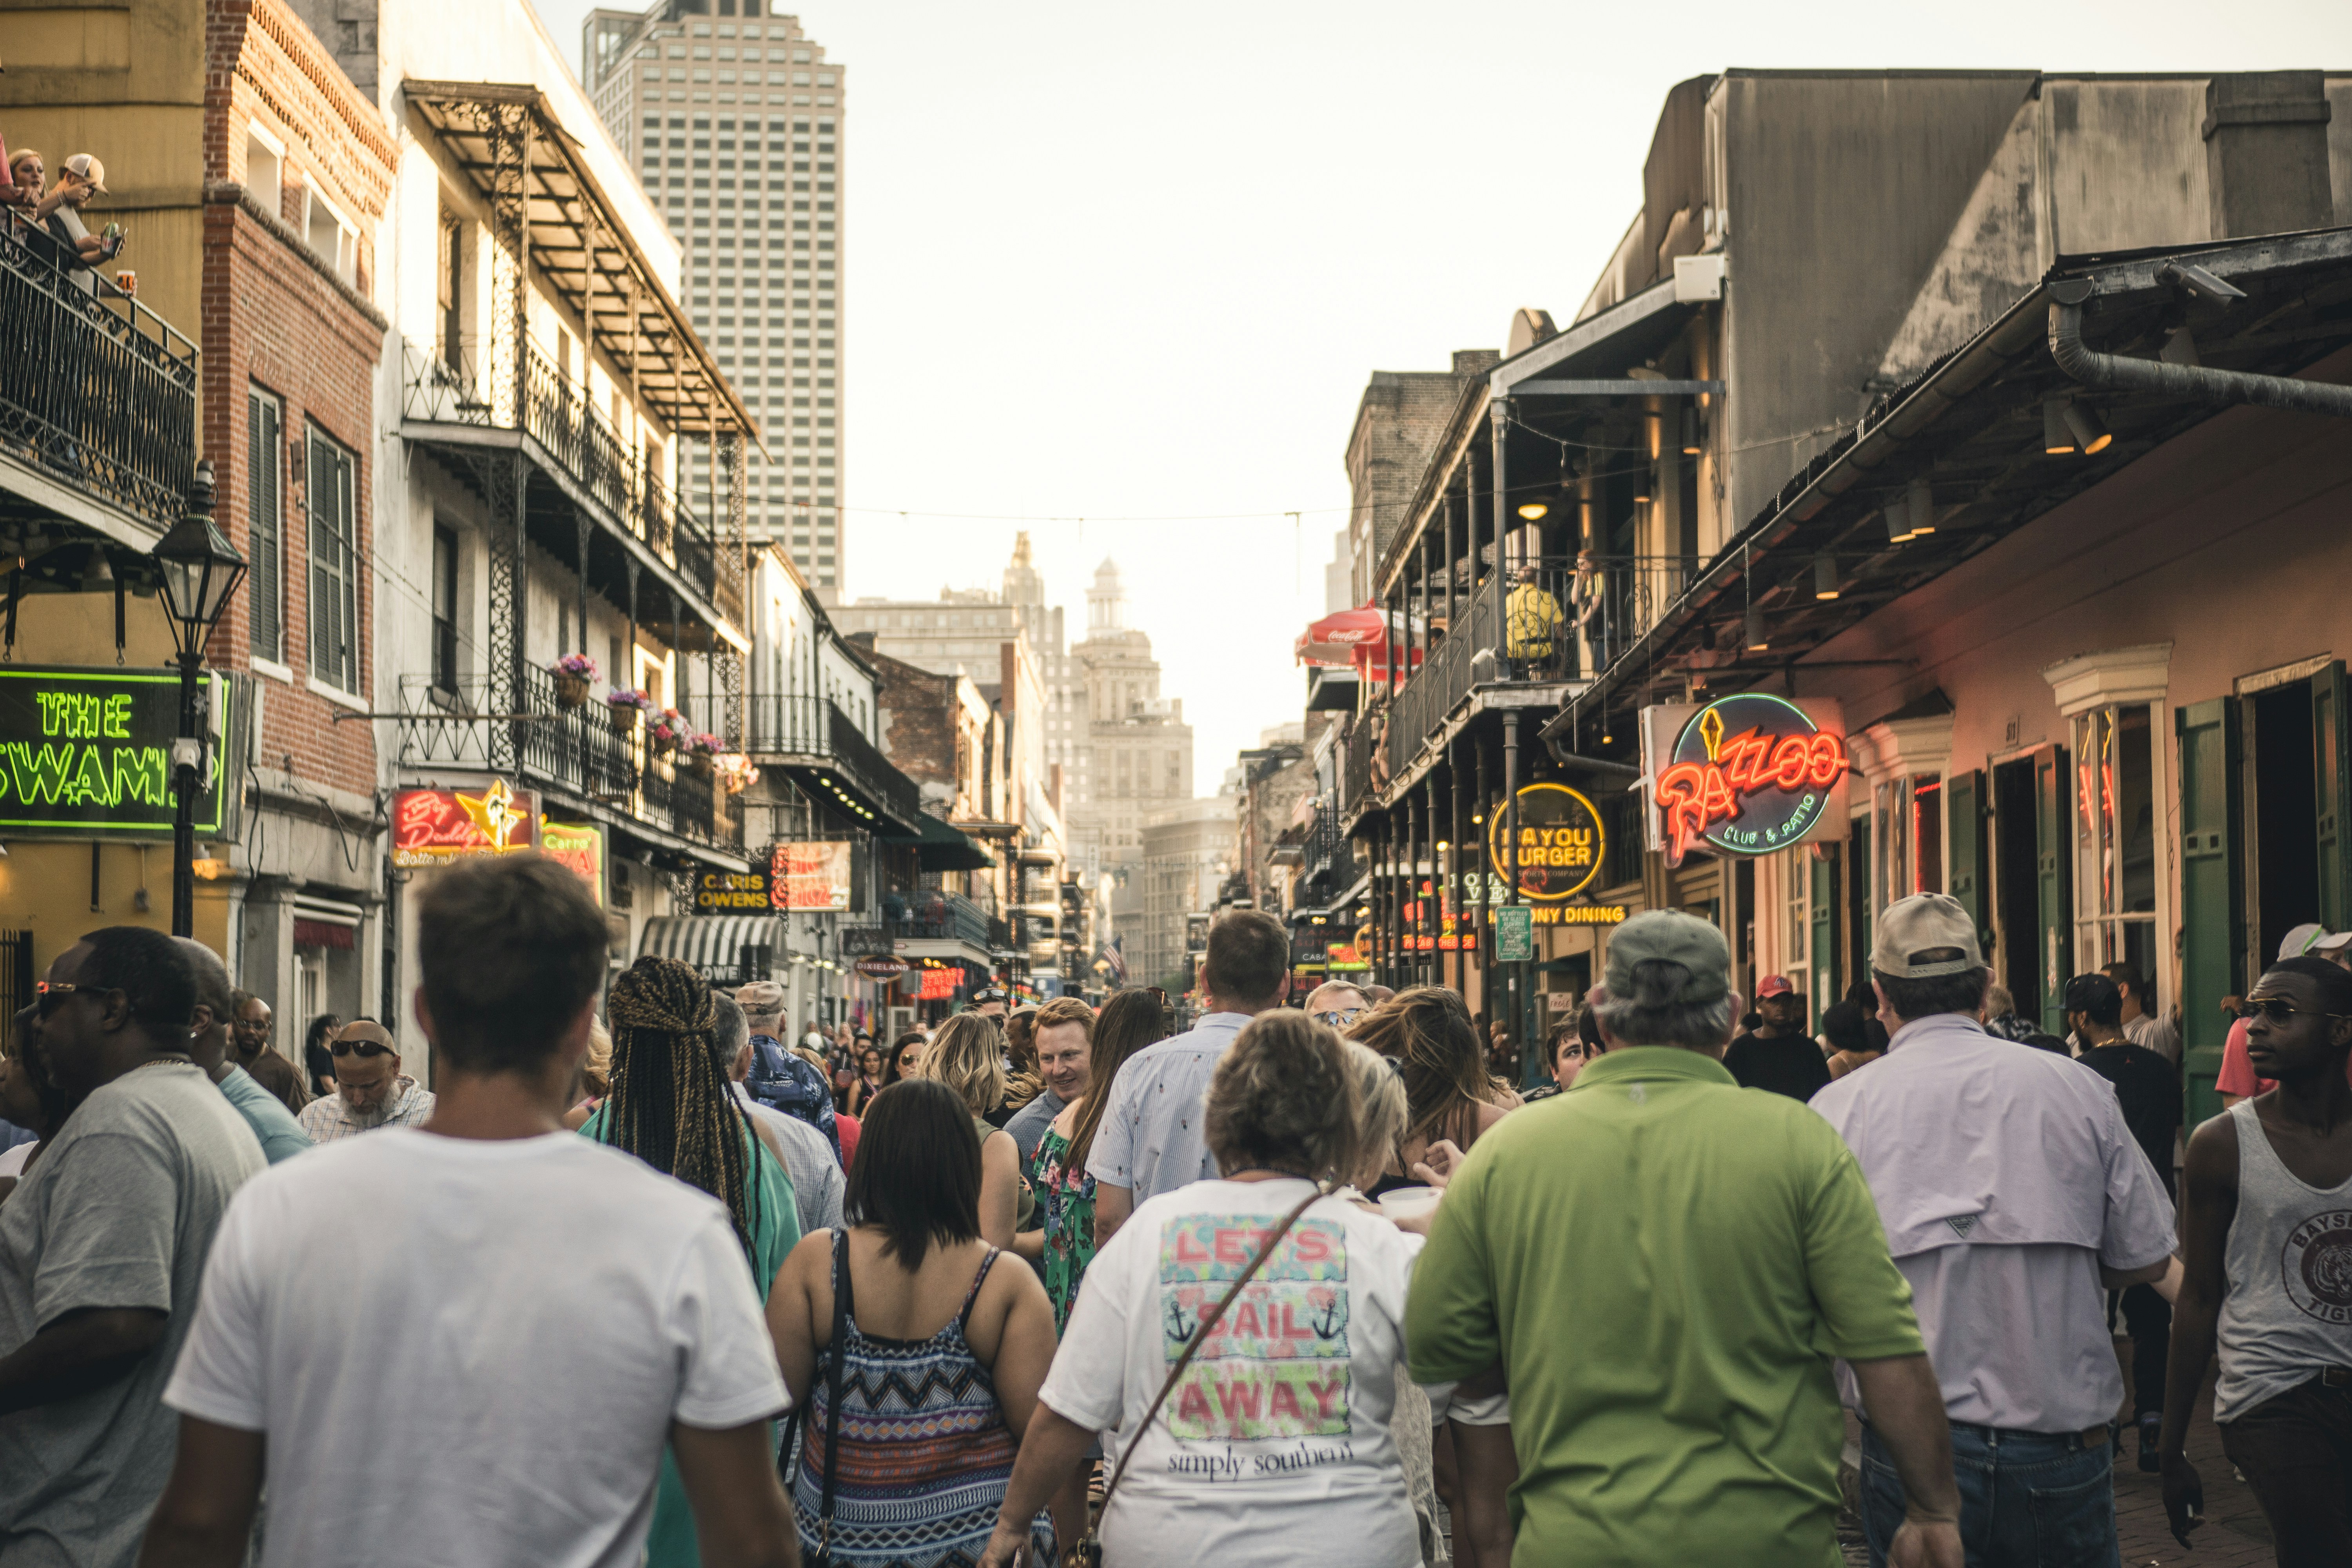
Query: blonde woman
[[968, 1056]]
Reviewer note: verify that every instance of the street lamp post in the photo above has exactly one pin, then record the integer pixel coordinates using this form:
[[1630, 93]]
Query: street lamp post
[[201, 570]]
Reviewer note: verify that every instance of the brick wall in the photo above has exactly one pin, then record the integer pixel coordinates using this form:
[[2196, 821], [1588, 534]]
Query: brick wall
[[274, 316], [1398, 423]]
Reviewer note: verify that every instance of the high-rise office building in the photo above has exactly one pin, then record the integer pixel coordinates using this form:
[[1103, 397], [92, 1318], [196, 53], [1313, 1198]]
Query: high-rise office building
[[734, 121]]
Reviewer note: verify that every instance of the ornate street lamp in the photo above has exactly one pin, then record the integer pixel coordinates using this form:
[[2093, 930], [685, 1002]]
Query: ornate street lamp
[[201, 571]]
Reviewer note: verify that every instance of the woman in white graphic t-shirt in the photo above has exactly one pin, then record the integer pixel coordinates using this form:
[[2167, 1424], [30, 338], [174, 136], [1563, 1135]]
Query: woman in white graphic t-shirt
[[1273, 1446]]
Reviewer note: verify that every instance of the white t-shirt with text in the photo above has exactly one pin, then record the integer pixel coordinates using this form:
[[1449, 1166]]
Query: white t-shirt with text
[[1275, 1449], [470, 1352]]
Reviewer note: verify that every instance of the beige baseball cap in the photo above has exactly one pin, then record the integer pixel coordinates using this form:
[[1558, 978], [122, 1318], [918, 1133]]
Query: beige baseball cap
[[1925, 935], [85, 166]]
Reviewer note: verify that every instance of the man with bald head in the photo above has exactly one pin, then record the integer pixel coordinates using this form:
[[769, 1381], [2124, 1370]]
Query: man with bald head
[[371, 1091], [281, 1137]]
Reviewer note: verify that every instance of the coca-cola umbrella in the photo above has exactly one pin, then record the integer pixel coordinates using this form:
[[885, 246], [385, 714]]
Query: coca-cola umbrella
[[1356, 638]]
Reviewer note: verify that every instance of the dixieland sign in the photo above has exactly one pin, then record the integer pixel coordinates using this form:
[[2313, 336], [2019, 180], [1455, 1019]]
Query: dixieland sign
[[1745, 774]]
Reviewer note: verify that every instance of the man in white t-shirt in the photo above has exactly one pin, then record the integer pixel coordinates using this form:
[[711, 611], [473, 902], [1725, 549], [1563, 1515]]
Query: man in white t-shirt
[[486, 1365]]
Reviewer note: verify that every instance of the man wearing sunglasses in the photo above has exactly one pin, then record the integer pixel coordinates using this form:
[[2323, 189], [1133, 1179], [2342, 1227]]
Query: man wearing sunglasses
[[371, 1091], [1338, 1004], [2266, 1226], [103, 1246], [2237, 1079]]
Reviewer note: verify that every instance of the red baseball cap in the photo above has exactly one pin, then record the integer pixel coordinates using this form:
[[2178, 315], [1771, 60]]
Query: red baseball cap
[[1774, 985]]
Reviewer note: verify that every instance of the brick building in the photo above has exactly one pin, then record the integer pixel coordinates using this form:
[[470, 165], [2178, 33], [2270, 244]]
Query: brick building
[[1398, 423], [297, 172]]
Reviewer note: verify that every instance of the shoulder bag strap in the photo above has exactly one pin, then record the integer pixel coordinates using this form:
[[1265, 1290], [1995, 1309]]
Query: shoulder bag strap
[[836, 1350], [1199, 1337]]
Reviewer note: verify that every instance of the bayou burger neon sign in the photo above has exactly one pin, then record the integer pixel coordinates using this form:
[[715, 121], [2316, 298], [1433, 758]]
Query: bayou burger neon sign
[[1744, 775]]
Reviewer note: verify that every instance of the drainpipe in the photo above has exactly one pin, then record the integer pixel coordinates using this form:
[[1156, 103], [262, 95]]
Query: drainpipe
[[2195, 383]]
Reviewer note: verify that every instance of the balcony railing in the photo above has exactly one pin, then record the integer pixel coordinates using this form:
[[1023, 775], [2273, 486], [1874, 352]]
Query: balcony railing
[[1548, 619], [97, 390], [578, 440], [939, 917], [585, 751], [790, 725]]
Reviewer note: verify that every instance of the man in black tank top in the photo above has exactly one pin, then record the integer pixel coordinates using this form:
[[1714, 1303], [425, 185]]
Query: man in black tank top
[[2266, 1216]]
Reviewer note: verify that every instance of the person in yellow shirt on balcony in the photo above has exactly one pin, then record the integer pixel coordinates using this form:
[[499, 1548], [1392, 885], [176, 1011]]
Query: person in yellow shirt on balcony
[[1531, 623]]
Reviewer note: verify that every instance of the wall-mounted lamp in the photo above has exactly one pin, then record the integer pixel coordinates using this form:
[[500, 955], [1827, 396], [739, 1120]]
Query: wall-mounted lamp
[[2092, 435], [1825, 575]]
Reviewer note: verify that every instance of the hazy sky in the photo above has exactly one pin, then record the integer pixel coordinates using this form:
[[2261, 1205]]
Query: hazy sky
[[1127, 262]]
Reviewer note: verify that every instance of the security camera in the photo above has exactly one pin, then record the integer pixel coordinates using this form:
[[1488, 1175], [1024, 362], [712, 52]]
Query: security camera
[[2197, 280]]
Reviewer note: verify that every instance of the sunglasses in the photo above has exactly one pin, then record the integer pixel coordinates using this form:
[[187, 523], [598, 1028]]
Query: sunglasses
[[2278, 1010], [48, 994], [367, 1050], [1340, 1019]]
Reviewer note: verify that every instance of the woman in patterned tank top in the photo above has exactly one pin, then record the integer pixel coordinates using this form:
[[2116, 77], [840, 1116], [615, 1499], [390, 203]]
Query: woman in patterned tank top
[[937, 1353]]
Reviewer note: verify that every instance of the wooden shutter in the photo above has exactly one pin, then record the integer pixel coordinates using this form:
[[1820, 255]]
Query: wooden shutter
[[2328, 783], [1964, 873], [2054, 849], [265, 510], [2213, 893]]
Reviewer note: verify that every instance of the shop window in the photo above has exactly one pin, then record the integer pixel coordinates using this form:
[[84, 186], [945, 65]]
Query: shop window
[[2115, 838], [265, 513], [334, 576]]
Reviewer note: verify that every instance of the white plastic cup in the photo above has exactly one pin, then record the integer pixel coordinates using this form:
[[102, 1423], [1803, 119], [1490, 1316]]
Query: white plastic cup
[[1409, 1203]]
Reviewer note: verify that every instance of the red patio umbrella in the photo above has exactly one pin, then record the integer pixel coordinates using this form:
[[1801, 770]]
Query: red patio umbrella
[[1356, 638]]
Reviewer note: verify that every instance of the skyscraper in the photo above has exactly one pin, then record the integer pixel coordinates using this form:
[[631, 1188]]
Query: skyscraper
[[734, 123]]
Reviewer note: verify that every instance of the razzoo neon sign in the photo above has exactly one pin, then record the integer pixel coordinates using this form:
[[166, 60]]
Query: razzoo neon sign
[[1744, 775]]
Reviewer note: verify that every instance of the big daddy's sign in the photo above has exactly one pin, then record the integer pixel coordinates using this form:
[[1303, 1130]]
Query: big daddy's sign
[[1743, 775]]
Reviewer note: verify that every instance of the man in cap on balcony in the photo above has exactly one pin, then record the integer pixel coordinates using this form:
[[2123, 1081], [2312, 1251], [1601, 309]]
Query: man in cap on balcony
[[781, 1079], [82, 177], [2003, 1177]]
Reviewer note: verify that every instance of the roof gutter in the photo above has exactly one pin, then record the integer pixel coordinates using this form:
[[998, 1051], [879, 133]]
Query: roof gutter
[[2188, 383]]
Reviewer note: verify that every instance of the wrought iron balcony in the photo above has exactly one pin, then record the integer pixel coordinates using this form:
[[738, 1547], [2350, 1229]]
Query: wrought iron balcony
[[577, 439], [1545, 620], [931, 915], [592, 753], [811, 734], [98, 393]]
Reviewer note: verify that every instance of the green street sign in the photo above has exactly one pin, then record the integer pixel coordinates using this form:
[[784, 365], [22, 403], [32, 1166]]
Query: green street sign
[[89, 751], [1515, 934]]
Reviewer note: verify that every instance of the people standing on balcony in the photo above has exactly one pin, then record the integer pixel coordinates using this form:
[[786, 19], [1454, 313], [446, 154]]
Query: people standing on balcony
[[2268, 1274], [2000, 1176], [28, 177], [672, 1106], [80, 251], [1531, 626], [781, 1078], [103, 1245], [1152, 1139], [607, 1313], [1778, 1055], [968, 1056], [371, 1091]]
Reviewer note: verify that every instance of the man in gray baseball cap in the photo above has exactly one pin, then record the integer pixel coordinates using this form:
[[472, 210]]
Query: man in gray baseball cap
[[2007, 1180], [1715, 1247]]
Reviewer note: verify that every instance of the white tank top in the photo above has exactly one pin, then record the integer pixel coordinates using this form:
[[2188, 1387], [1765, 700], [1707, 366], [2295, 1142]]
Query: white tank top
[[2289, 1261]]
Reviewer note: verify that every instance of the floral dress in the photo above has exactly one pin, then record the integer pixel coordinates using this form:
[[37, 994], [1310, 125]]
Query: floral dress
[[1068, 1197]]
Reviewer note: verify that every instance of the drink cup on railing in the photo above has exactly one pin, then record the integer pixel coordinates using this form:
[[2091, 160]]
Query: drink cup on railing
[[128, 281]]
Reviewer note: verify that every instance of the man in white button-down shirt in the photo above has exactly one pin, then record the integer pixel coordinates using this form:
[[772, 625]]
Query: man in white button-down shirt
[[2014, 1199]]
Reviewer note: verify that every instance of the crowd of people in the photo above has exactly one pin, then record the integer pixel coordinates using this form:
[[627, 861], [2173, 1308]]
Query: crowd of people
[[643, 1278]]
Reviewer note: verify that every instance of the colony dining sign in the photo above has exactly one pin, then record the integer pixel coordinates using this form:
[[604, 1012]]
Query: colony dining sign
[[1743, 775]]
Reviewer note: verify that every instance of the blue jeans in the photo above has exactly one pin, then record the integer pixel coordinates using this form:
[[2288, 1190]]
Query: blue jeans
[[2028, 1500]]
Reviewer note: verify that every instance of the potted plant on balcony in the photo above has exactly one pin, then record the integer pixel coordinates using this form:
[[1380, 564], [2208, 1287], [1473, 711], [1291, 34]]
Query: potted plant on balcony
[[669, 729], [702, 753], [736, 772], [572, 673], [628, 705]]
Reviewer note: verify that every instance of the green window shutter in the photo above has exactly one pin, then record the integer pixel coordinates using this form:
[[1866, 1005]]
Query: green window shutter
[[2054, 849], [2328, 743], [2212, 910], [1821, 943], [1964, 873]]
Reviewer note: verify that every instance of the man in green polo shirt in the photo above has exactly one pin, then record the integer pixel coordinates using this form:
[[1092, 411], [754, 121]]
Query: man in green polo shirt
[[1665, 1265]]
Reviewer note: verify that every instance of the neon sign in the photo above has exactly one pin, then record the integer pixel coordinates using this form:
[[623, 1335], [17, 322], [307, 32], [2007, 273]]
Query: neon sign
[[1561, 844], [1744, 775], [430, 826]]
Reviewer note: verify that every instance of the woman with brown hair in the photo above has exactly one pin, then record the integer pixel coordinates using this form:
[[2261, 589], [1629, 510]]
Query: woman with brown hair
[[1285, 1302], [968, 1056], [1428, 1033]]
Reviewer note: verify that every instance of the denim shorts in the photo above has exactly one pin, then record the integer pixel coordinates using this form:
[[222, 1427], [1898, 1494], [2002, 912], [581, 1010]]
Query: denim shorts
[[2028, 1500]]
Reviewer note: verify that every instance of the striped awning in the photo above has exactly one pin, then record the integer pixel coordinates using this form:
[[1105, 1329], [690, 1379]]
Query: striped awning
[[714, 945]]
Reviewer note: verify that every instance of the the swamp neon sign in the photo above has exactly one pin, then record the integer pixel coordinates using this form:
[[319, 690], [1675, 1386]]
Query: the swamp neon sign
[[1744, 775]]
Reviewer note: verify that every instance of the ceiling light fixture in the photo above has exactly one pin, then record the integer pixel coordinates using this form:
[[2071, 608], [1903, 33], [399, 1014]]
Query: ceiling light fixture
[[2094, 436], [1825, 575]]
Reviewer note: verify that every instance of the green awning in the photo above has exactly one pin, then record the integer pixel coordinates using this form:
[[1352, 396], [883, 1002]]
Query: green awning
[[941, 845]]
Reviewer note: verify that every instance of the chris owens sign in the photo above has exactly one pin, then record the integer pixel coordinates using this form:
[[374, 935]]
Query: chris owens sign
[[1743, 775], [1561, 843]]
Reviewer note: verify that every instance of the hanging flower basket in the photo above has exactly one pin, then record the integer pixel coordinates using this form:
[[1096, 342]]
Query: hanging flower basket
[[668, 731], [572, 673], [627, 706]]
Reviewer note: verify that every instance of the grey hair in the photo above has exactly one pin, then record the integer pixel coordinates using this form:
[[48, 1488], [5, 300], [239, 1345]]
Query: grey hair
[[1383, 1109], [1652, 1015], [730, 1031]]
